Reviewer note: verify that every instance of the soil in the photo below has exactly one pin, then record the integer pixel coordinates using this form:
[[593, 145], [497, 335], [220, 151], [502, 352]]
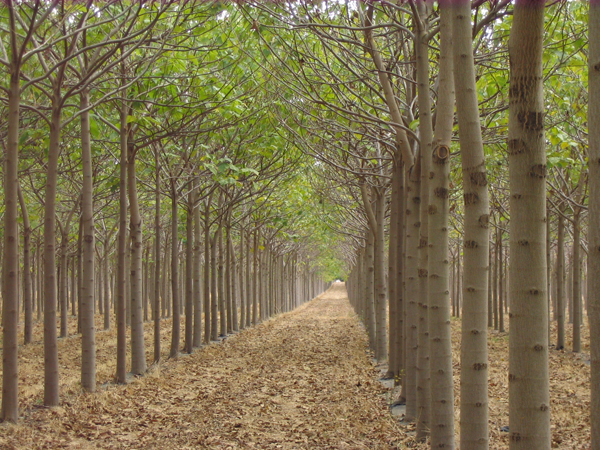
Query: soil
[[301, 380]]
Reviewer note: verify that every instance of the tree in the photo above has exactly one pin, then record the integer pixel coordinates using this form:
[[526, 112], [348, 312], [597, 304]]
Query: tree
[[594, 213], [529, 402], [473, 357]]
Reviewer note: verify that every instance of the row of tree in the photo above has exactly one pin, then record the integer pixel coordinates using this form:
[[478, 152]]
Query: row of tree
[[109, 110], [375, 87]]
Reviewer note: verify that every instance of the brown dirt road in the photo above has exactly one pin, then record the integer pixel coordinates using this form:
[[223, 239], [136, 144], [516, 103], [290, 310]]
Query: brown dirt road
[[302, 380]]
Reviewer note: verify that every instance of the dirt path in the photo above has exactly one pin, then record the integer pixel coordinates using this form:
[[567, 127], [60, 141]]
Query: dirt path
[[302, 380]]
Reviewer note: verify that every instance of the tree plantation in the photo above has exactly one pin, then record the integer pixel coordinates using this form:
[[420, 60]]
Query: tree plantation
[[301, 224]]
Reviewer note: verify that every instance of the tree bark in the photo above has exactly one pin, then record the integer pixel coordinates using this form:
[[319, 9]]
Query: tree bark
[[474, 354], [27, 282], [10, 265], [157, 259], [197, 337], [176, 333], [529, 404], [51, 392], [593, 281], [189, 273], [441, 376], [138, 349], [425, 156], [88, 327], [577, 280], [121, 375]]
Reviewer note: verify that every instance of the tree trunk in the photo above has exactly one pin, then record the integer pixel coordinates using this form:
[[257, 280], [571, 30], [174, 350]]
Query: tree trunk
[[10, 265], [197, 335], [157, 259], [474, 354], [207, 267], [233, 280], [576, 280], [593, 281], [255, 298], [426, 138], [412, 291], [138, 349], [27, 284], [50, 298], [121, 375], [176, 333], [189, 273], [501, 279], [221, 285], [370, 322], [529, 404], [243, 292], [88, 327], [442, 382], [560, 282]]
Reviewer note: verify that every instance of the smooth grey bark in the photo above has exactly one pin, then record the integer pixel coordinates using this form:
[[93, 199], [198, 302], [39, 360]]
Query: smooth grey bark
[[88, 242], [10, 263], [214, 305], [529, 403], [474, 433], [425, 157], [27, 281], [207, 267], [157, 258], [138, 348], [440, 332], [176, 333], [412, 225], [221, 284], [197, 335], [560, 283], [593, 282], [189, 274], [121, 311]]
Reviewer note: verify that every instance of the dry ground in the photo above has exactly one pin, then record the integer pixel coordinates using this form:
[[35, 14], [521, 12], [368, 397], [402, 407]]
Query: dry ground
[[302, 380]]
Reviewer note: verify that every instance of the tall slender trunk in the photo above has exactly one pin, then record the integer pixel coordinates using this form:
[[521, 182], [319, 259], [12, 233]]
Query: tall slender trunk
[[529, 403], [243, 292], [501, 290], [197, 337], [233, 280], [189, 273], [176, 333], [474, 354], [593, 282], [106, 281], [411, 313], [157, 259], [425, 156], [27, 284], [576, 280], [227, 284], [560, 282], [221, 285], [255, 298], [214, 288], [88, 327], [10, 264], [121, 375], [51, 392], [138, 349], [249, 291], [207, 267], [442, 382], [369, 268]]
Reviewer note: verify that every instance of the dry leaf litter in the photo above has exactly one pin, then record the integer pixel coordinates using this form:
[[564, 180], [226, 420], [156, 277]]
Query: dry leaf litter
[[302, 380]]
